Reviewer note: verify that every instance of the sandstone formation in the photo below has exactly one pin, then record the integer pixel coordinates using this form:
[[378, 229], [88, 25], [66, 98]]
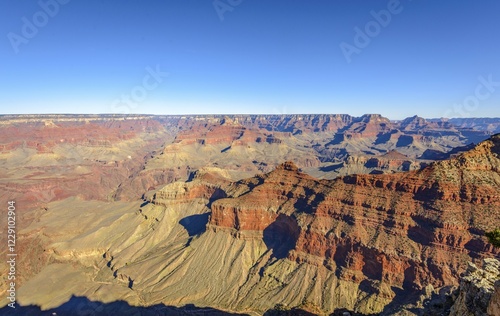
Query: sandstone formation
[[204, 210], [358, 242]]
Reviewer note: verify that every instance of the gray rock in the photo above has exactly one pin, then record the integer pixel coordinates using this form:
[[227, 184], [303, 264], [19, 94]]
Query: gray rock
[[477, 287]]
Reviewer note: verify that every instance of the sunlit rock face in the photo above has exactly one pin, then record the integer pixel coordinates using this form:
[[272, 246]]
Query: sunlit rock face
[[248, 213], [478, 291]]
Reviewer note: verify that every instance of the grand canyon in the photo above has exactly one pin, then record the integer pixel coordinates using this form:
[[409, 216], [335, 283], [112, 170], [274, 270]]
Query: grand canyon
[[313, 214]]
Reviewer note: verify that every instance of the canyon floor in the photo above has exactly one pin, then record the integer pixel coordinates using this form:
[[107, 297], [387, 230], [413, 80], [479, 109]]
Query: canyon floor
[[244, 214]]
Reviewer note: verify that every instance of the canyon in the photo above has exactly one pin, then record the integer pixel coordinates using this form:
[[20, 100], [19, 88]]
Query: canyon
[[247, 214]]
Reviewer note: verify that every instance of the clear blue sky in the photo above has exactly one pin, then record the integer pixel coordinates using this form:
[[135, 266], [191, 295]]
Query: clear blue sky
[[264, 56]]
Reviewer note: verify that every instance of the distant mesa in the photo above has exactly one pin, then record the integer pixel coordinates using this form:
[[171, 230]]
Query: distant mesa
[[258, 214]]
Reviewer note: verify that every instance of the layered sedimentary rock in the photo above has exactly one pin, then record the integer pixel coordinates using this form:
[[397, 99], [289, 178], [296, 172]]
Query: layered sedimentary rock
[[406, 230], [149, 151], [48, 158], [488, 124], [282, 239], [363, 243]]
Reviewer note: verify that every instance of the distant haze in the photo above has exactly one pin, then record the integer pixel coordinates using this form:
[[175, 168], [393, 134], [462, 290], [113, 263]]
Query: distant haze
[[398, 58]]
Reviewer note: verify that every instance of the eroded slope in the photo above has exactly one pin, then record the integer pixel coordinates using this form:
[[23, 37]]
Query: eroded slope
[[369, 243]]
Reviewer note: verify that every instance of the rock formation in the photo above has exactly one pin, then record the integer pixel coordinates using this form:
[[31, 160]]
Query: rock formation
[[479, 290], [203, 211]]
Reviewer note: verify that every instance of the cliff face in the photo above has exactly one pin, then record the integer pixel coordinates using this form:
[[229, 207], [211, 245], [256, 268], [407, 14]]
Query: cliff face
[[392, 161], [494, 304], [366, 243], [402, 231], [43, 161], [488, 124], [479, 290], [326, 146], [369, 243], [134, 154]]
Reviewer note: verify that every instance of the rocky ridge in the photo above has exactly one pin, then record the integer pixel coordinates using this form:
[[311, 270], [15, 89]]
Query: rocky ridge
[[370, 244]]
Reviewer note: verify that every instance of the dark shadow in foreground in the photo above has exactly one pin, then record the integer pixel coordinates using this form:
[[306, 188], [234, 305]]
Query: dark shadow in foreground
[[301, 312], [82, 306], [292, 312]]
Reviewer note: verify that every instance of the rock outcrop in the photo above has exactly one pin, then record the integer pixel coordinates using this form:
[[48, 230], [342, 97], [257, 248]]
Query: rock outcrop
[[494, 304], [409, 223], [479, 290]]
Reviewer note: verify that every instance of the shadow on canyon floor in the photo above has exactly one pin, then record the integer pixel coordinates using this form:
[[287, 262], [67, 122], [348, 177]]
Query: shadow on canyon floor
[[438, 304], [82, 306]]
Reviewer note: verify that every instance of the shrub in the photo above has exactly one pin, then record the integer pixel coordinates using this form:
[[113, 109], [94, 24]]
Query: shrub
[[494, 237]]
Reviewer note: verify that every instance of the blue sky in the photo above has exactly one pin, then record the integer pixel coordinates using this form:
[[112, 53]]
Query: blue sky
[[397, 58]]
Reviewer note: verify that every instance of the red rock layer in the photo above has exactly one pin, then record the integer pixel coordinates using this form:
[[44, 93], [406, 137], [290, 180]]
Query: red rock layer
[[42, 137], [407, 229], [226, 132]]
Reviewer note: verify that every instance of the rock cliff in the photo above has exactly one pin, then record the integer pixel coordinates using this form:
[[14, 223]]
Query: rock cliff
[[479, 290]]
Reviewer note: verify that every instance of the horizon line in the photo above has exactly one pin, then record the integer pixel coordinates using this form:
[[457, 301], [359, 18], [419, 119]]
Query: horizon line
[[237, 114]]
